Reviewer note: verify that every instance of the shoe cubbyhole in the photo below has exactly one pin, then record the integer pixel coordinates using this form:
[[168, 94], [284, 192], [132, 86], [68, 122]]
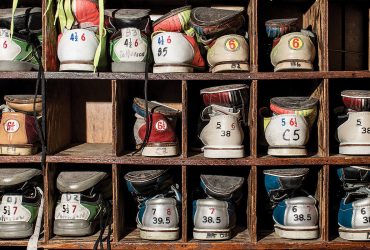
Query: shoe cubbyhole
[[336, 193], [308, 14], [336, 86], [127, 207], [161, 7], [79, 117], [52, 195], [312, 184], [242, 210], [37, 181], [169, 93], [349, 35], [7, 4], [287, 88], [195, 106]]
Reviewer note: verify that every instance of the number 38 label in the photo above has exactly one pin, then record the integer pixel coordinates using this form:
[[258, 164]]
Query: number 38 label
[[295, 43], [11, 209], [70, 208]]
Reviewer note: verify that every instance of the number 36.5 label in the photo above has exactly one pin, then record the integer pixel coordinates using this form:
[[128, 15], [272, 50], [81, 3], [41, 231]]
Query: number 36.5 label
[[11, 209], [70, 208]]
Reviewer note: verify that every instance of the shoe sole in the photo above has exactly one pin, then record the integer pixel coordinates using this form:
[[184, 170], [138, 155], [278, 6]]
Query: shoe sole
[[230, 67], [158, 234], [15, 66], [214, 234], [287, 151], [76, 66], [354, 234], [26, 149], [74, 227], [160, 149], [298, 233], [127, 67], [354, 149], [15, 230], [172, 68], [224, 151], [293, 65]]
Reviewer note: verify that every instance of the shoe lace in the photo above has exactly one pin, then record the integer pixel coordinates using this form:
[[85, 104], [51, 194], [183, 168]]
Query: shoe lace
[[148, 117], [104, 223]]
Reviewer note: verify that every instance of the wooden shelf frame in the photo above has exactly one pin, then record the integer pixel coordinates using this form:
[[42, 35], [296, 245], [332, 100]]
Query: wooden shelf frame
[[111, 154]]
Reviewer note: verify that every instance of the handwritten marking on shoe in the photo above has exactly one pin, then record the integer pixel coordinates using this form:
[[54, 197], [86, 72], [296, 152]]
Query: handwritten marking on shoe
[[11, 126]]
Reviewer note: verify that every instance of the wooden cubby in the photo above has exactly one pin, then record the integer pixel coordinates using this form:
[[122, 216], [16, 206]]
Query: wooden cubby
[[90, 118]]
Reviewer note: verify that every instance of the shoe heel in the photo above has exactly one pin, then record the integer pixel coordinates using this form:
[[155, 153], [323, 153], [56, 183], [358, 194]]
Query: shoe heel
[[224, 152], [287, 151], [157, 234], [208, 234]]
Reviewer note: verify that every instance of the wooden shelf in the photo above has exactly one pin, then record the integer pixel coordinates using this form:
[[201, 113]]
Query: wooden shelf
[[189, 76], [96, 153], [95, 110]]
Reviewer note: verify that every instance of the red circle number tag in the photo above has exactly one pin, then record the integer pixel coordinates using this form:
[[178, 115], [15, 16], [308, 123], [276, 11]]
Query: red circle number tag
[[232, 44], [11, 126], [295, 43], [161, 125]]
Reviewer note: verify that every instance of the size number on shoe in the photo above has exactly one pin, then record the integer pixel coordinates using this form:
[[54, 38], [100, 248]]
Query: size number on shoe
[[225, 132], [295, 43], [365, 214], [162, 216], [70, 208], [163, 42], [302, 214], [77, 36], [232, 44], [11, 126], [363, 128], [212, 216], [8, 47], [131, 47], [11, 209], [291, 133]]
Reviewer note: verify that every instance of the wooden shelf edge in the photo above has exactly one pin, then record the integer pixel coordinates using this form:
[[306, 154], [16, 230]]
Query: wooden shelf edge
[[190, 161], [190, 76]]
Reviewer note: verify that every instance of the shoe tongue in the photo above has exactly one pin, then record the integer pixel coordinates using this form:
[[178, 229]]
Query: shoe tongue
[[148, 182], [20, 17], [153, 107], [288, 172], [128, 18], [221, 187], [15, 176], [354, 174], [361, 193], [292, 103], [78, 181]]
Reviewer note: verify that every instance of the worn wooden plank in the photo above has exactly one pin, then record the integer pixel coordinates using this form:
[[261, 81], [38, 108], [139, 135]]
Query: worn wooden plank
[[50, 199], [184, 212], [184, 119], [49, 39], [118, 206], [252, 119], [252, 204], [58, 115]]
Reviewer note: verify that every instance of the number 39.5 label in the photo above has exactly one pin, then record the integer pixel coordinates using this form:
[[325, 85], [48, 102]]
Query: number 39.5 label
[[70, 208], [11, 209]]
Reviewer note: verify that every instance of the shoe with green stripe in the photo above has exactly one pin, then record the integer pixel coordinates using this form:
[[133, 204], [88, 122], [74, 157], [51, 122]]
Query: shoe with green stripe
[[128, 44], [20, 201], [18, 51], [82, 202]]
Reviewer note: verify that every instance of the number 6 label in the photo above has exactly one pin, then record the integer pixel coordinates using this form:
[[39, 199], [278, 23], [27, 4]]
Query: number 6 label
[[295, 43]]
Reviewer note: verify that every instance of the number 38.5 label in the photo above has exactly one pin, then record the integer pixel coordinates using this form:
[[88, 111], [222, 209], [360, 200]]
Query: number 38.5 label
[[70, 208], [11, 209]]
